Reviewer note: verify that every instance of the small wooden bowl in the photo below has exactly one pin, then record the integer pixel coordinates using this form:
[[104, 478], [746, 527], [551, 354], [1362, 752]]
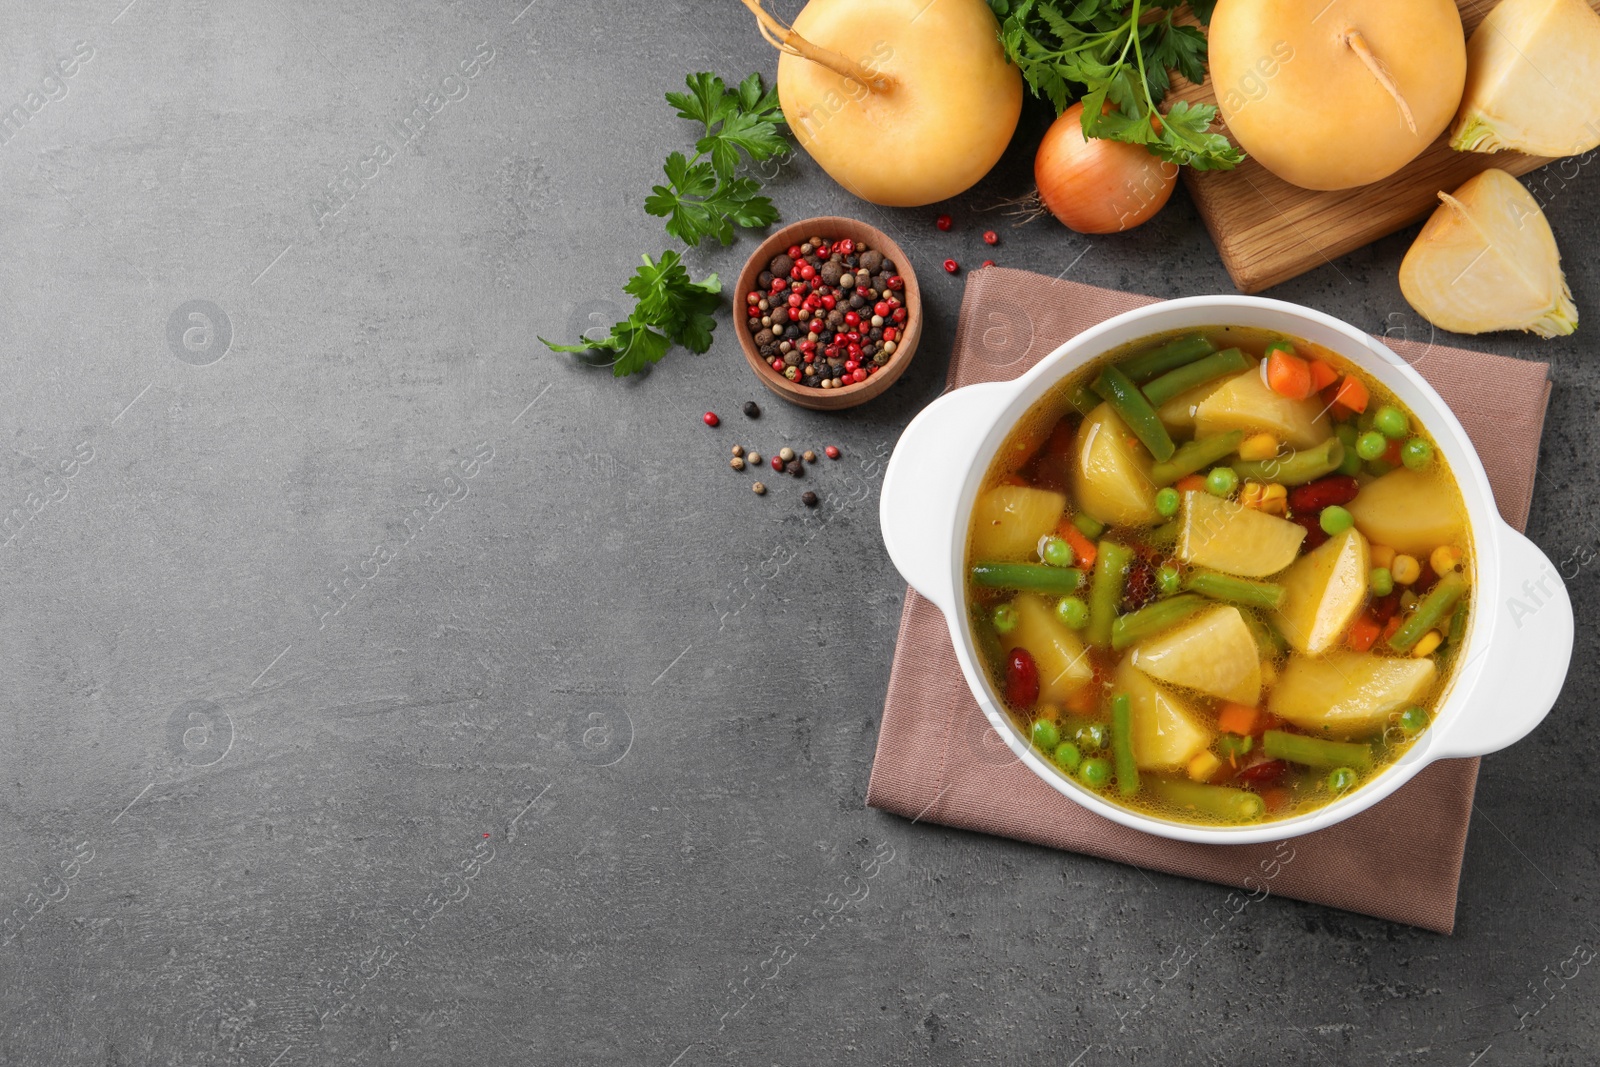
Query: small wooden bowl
[[847, 396]]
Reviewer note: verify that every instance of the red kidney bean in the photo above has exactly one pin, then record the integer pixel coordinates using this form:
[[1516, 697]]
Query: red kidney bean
[[1263, 771], [1022, 679], [1324, 492], [1315, 535]]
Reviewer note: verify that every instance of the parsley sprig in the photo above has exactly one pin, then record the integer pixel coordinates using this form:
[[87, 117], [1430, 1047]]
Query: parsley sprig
[[703, 196], [1120, 53], [671, 310]]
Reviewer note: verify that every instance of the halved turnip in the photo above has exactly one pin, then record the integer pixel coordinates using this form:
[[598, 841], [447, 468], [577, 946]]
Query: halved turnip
[[1533, 80], [1409, 511], [1064, 667], [1486, 260]]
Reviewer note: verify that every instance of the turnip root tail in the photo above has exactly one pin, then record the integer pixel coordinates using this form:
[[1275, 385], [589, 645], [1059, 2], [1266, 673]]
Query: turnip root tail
[[784, 39], [1380, 71]]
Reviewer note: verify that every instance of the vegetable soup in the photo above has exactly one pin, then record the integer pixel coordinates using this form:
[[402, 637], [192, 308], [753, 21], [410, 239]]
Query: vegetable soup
[[1219, 576]]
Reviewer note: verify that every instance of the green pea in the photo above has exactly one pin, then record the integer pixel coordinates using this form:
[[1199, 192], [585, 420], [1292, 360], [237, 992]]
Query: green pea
[[1371, 445], [1046, 736], [1168, 580], [1347, 434], [1058, 553], [1095, 772], [1335, 520], [1391, 422], [1073, 611], [1416, 453], [1342, 779], [1381, 581], [1004, 618], [1091, 737], [1222, 481], [1414, 720], [1232, 746], [1067, 756], [1167, 501]]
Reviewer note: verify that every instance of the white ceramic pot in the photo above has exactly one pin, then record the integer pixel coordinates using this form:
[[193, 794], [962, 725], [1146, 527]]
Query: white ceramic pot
[[1517, 646]]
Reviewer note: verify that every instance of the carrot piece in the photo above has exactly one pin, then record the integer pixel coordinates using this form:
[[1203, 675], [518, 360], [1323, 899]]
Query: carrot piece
[[1237, 718], [1013, 479], [1363, 633], [1352, 393], [1390, 627], [1190, 483], [1391, 455], [1322, 375], [1082, 547], [1288, 375], [1276, 797], [1083, 700]]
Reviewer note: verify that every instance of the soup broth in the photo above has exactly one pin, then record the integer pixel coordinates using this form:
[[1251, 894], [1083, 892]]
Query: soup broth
[[1220, 576]]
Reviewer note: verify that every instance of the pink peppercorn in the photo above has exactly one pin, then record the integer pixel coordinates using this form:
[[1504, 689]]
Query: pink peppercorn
[[943, 222], [710, 418], [831, 452], [990, 237], [950, 266]]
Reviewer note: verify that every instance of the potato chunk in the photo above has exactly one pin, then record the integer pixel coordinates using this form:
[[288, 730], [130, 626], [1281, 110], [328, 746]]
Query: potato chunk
[[1177, 414], [1167, 733], [1323, 592], [1063, 665], [1245, 403], [1409, 511], [1110, 474], [1349, 694], [1214, 652], [1009, 520], [1235, 539]]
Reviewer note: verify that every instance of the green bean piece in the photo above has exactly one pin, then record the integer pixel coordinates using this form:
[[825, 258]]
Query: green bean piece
[[1458, 625], [1083, 400], [1268, 639], [1316, 751], [1298, 468], [1122, 745], [1430, 612], [1163, 358], [1201, 371], [1088, 525], [1227, 588], [1193, 455], [1217, 801], [1105, 591], [1131, 406], [1162, 615], [1030, 577], [1235, 746], [1165, 534]]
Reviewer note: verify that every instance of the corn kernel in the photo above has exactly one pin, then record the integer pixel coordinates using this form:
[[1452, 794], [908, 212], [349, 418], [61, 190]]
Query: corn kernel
[[1258, 446], [1405, 569], [1444, 559], [1382, 556], [1250, 496], [1430, 641], [1203, 766], [1269, 674], [1275, 500]]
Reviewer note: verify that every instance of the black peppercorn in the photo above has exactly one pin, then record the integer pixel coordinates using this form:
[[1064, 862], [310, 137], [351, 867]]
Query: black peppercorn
[[808, 498], [752, 409], [781, 265]]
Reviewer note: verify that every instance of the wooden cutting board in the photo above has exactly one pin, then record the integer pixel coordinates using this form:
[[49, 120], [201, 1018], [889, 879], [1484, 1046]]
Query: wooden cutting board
[[1268, 231]]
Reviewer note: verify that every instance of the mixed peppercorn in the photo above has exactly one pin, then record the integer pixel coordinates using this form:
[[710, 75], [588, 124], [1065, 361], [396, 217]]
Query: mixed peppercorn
[[828, 313]]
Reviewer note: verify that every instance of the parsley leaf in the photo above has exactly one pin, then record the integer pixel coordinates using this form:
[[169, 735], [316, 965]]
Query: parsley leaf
[[1118, 53], [671, 309], [702, 197]]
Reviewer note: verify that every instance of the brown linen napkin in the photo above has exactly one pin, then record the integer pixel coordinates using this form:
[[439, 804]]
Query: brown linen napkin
[[939, 760]]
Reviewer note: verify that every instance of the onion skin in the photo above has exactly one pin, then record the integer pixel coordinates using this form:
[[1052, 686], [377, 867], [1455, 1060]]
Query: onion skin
[[1094, 185]]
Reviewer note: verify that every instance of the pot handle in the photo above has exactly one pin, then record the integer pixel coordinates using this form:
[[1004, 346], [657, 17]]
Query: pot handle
[[922, 485], [1527, 655]]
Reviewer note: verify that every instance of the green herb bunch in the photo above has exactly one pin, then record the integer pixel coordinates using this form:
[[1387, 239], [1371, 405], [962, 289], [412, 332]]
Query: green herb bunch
[[704, 197], [1118, 53]]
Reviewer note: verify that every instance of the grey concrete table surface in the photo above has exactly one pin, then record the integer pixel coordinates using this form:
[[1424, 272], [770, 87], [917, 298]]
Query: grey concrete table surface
[[381, 688]]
